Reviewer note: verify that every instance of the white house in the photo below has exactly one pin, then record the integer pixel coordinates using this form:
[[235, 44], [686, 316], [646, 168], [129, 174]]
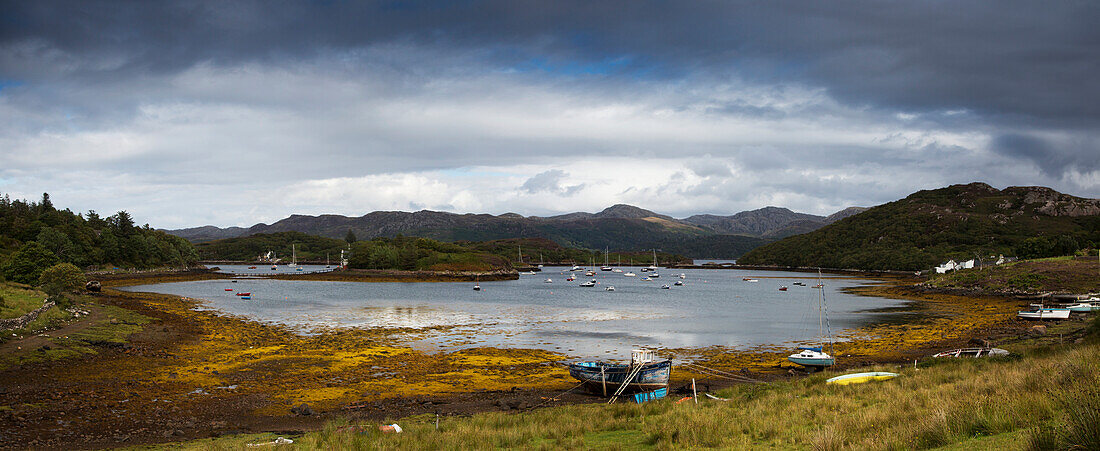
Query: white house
[[950, 265]]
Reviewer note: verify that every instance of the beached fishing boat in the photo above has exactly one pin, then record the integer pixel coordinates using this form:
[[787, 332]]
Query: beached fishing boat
[[1044, 313], [859, 378], [1084, 307], [642, 374], [972, 352]]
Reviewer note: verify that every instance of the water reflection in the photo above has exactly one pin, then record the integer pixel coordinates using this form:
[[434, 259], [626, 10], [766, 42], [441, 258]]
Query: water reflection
[[714, 307]]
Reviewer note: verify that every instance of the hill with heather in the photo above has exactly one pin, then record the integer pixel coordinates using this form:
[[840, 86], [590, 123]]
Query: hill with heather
[[619, 227], [957, 222]]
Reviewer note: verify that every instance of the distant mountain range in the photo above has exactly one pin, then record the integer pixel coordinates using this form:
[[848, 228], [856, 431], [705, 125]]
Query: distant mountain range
[[619, 227], [929, 227]]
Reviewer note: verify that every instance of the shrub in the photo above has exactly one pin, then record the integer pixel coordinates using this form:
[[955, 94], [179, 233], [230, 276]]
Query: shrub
[[60, 278]]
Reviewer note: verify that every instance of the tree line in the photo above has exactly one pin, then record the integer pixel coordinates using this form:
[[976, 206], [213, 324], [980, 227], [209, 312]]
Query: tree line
[[36, 235]]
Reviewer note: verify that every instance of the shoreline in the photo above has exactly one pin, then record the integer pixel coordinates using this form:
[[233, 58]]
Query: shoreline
[[364, 374], [349, 275]]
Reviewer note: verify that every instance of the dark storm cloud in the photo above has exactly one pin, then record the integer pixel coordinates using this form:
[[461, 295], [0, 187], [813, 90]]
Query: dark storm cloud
[[1007, 60], [1054, 159]]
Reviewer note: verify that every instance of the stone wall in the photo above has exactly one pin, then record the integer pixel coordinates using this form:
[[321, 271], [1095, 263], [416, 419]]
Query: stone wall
[[23, 321]]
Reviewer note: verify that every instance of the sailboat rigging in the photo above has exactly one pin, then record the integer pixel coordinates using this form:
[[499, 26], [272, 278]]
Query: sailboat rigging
[[815, 357]]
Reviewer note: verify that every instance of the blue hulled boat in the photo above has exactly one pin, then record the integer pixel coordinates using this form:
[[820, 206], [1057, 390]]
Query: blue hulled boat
[[642, 374], [812, 357]]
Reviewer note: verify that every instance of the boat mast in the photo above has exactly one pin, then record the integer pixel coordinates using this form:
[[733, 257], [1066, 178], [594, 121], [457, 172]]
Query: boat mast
[[823, 315]]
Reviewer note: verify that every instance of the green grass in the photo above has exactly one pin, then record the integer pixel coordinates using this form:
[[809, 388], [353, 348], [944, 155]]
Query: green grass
[[1029, 401], [18, 299], [116, 326]]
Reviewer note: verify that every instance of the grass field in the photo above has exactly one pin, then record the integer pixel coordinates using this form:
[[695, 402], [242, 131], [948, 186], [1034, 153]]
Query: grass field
[[1045, 396], [16, 299]]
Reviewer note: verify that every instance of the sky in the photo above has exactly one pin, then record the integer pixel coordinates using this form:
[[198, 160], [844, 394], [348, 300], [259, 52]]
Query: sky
[[190, 113]]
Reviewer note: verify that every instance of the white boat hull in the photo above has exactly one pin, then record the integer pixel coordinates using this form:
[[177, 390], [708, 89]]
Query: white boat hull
[[1045, 314]]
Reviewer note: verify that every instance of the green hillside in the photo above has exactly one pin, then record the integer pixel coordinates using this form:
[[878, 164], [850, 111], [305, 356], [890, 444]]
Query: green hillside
[[416, 253], [308, 247], [35, 235], [929, 227]]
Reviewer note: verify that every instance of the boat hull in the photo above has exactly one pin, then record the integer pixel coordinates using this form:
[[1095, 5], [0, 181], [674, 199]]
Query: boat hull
[[1046, 314], [860, 378], [812, 361], [652, 376], [973, 352]]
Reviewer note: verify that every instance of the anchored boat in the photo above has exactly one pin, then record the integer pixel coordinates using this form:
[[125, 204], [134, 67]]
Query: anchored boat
[[642, 374]]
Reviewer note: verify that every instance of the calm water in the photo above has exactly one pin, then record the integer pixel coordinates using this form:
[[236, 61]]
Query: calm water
[[713, 307]]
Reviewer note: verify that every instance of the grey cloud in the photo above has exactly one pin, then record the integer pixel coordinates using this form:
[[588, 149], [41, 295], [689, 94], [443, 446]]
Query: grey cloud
[[311, 90], [550, 182], [1012, 59], [708, 167], [1055, 159]]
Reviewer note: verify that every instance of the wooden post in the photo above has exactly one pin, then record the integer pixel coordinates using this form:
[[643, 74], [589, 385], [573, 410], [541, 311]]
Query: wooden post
[[694, 394], [603, 377]]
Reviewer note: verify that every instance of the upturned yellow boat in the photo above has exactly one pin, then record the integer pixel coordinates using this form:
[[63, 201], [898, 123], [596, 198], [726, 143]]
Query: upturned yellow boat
[[859, 378]]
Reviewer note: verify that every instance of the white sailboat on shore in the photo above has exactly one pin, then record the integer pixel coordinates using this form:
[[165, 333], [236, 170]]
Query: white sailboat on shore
[[815, 357]]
